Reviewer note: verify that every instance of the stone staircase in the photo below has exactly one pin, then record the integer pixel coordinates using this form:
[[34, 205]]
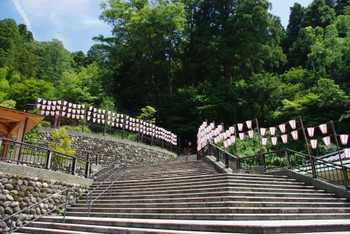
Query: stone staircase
[[191, 197]]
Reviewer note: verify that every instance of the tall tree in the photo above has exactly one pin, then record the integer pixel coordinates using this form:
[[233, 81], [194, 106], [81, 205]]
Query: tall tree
[[145, 49]]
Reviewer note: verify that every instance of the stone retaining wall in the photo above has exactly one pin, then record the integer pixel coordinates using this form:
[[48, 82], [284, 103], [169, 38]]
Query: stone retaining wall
[[108, 149], [19, 192]]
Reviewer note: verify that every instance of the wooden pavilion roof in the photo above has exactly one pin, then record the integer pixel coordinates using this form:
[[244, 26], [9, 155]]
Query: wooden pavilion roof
[[10, 120]]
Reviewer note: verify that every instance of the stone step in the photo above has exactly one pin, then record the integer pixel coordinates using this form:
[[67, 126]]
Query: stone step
[[193, 198], [43, 228], [209, 189], [226, 183], [217, 204], [160, 184], [242, 194], [203, 178], [214, 216], [140, 177], [223, 210], [113, 225]]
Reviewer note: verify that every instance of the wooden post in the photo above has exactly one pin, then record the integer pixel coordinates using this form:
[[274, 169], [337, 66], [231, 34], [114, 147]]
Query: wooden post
[[238, 166], [346, 181], [74, 166], [259, 138], [48, 159], [308, 148], [87, 166]]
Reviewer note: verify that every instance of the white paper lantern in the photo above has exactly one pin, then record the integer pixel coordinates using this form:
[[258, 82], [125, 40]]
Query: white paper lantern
[[240, 126], [314, 143], [274, 140], [282, 127], [284, 138], [295, 135], [326, 140], [249, 124], [311, 131], [293, 123], [344, 139], [323, 128]]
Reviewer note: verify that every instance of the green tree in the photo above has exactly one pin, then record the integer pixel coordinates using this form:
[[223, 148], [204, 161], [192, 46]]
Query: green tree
[[54, 59], [148, 114], [144, 50], [81, 87], [28, 91], [319, 14]]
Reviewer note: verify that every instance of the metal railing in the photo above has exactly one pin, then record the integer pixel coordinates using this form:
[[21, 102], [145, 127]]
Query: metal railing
[[332, 172], [111, 173], [221, 155], [41, 157], [10, 220]]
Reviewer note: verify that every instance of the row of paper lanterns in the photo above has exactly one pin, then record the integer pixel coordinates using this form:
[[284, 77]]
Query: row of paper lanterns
[[208, 133], [100, 116]]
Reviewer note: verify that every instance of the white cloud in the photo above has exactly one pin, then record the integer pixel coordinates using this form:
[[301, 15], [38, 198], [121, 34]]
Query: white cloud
[[23, 14], [74, 22]]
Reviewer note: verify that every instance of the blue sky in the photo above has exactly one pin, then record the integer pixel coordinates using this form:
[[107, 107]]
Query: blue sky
[[76, 22]]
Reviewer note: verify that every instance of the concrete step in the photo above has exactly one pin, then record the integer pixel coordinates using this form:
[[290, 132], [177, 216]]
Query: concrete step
[[242, 194], [189, 182], [208, 204], [120, 190], [217, 188], [193, 198], [222, 210], [214, 216], [113, 225]]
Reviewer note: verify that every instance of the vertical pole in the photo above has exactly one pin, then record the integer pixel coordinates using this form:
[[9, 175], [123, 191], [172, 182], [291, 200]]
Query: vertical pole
[[124, 122], [259, 138], [105, 125], [308, 148], [238, 166], [48, 159], [22, 140], [84, 120], [87, 166], [346, 181], [289, 165], [74, 166]]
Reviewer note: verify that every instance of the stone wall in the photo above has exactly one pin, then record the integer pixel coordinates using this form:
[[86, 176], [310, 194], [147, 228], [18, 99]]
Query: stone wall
[[108, 149], [19, 192]]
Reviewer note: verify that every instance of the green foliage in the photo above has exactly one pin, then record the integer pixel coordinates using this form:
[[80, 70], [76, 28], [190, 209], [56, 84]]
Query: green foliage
[[9, 104], [61, 141], [147, 114], [28, 91]]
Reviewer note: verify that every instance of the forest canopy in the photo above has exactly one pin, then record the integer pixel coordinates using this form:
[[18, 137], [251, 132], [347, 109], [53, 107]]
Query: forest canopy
[[191, 60]]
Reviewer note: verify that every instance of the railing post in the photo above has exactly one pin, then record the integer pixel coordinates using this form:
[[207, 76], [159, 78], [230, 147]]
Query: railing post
[[226, 160], [217, 154], [74, 166], [48, 159], [87, 166], [238, 163], [346, 179], [308, 149], [97, 159], [289, 165]]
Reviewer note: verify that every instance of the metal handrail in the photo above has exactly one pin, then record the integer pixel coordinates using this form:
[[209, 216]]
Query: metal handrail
[[11, 217], [39, 153], [89, 199], [330, 171]]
